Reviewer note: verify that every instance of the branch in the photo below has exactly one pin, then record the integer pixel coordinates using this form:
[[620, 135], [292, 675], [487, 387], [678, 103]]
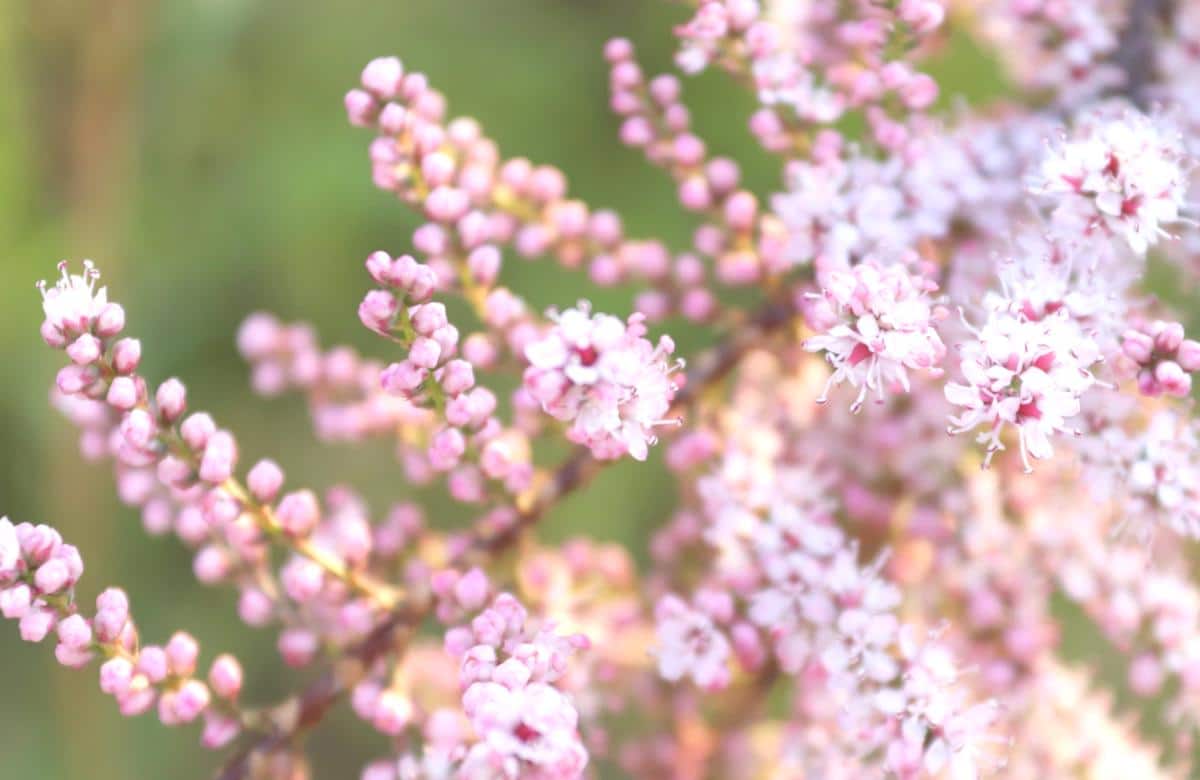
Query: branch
[[305, 710], [1135, 47]]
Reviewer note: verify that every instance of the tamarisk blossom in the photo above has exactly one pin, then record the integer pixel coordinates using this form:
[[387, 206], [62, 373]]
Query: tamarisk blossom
[[880, 325], [1153, 473], [603, 377], [1117, 170], [1024, 372], [527, 727], [690, 645]]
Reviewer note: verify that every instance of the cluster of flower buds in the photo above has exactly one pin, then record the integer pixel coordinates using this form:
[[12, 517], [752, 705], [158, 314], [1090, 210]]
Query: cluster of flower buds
[[38, 573], [526, 726], [1162, 359]]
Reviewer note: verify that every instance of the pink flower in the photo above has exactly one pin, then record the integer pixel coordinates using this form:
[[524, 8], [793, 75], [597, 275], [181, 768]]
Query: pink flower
[[1023, 372], [1118, 170], [690, 645], [884, 327], [603, 377]]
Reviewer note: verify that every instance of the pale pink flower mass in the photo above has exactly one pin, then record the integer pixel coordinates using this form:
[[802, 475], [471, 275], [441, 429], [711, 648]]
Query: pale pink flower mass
[[815, 590]]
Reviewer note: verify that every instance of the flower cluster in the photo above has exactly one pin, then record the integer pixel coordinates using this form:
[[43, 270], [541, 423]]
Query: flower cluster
[[1119, 171], [603, 377], [1028, 373], [883, 326], [38, 573], [526, 726], [840, 590]]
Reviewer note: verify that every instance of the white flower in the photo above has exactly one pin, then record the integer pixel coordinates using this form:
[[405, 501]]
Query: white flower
[[74, 302]]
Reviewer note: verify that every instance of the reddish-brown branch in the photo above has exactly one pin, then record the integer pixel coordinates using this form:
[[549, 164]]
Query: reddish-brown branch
[[304, 711], [1135, 54]]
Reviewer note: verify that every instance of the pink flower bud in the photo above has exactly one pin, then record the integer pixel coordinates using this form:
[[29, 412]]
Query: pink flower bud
[[74, 631], [196, 430], [377, 309], [1172, 379], [297, 647], [1188, 355], [127, 354], [219, 459], [471, 590], [403, 377], [740, 210], [258, 336], [52, 576], [122, 393], [115, 676], [182, 651], [393, 713], [265, 481], [447, 447], [298, 512], [920, 92], [36, 623], [1168, 336], [361, 108], [382, 77], [219, 730], [85, 350], [152, 662], [73, 380], [211, 565], [171, 400], [425, 353], [484, 263], [302, 579], [15, 601], [457, 377], [255, 608], [110, 322], [226, 677], [190, 700]]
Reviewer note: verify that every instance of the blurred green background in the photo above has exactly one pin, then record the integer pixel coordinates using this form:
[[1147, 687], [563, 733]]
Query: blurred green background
[[197, 151]]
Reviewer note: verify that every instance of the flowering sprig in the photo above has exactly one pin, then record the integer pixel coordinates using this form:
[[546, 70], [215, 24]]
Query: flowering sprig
[[38, 574]]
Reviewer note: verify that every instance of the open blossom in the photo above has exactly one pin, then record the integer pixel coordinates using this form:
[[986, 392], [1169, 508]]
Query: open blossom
[[883, 327], [605, 378], [1029, 373], [74, 306], [690, 645], [1117, 170]]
